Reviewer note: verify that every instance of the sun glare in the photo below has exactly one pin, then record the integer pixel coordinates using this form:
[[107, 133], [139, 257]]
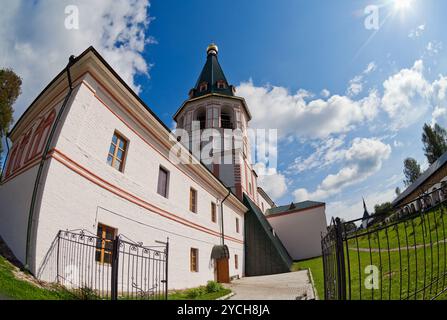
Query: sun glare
[[401, 5]]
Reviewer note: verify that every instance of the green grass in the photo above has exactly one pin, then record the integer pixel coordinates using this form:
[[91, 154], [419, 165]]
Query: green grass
[[16, 289], [13, 288], [206, 296], [316, 267], [410, 255], [402, 274], [211, 291], [428, 228]]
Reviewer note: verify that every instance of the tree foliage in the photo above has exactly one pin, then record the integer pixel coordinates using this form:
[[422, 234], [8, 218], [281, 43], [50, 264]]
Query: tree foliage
[[383, 209], [435, 142], [412, 171], [10, 89]]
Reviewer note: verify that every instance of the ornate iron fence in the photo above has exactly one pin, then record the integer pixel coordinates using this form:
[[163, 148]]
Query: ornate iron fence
[[96, 268], [399, 258]]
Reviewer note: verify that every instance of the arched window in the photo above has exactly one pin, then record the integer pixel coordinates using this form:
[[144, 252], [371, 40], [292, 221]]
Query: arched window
[[201, 117], [413, 209], [203, 86], [444, 190], [226, 118], [427, 201], [406, 211], [221, 84], [435, 196], [419, 205], [42, 131]]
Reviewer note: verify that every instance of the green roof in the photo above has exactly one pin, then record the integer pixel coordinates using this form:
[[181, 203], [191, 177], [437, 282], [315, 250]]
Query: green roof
[[212, 73], [293, 207]]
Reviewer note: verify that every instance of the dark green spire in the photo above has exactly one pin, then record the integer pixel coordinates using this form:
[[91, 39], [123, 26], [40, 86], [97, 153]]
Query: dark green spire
[[212, 78]]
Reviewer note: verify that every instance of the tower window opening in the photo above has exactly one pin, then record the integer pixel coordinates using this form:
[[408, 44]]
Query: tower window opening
[[226, 120], [201, 117], [203, 86], [221, 84]]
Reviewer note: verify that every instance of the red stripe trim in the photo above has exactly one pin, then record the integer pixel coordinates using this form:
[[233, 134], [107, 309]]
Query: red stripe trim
[[79, 169]]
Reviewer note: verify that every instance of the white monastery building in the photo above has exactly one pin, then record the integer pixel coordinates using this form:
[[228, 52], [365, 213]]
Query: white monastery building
[[88, 154]]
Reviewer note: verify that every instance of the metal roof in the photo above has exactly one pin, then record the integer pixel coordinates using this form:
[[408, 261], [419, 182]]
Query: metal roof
[[211, 74], [293, 207], [424, 176]]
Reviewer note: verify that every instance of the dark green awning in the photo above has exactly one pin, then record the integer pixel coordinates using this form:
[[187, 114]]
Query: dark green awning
[[220, 252]]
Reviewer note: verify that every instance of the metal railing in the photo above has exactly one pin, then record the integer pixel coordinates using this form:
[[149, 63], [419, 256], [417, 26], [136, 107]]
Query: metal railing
[[122, 269], [402, 258]]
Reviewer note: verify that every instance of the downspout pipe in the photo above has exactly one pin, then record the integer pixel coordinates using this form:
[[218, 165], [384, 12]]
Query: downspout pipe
[[6, 158], [221, 216], [37, 182]]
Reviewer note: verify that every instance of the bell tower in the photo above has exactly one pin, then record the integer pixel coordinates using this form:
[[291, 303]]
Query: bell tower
[[215, 121]]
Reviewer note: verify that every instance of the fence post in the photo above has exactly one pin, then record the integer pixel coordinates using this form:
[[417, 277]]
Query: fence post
[[166, 268], [340, 256], [114, 275], [323, 253], [57, 256]]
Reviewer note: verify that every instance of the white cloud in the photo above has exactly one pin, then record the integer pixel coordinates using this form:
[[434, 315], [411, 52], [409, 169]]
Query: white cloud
[[398, 144], [433, 48], [406, 96], [273, 182], [416, 33], [36, 44], [325, 153], [356, 84], [276, 108], [325, 93], [370, 68], [364, 158]]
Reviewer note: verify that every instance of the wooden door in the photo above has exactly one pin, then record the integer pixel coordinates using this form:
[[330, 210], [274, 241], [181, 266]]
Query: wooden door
[[223, 271]]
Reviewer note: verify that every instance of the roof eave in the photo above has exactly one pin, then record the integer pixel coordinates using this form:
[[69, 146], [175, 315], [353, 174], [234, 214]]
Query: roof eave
[[212, 95]]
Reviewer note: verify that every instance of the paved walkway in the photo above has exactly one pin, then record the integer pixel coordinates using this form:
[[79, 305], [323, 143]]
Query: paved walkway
[[3, 297], [284, 286]]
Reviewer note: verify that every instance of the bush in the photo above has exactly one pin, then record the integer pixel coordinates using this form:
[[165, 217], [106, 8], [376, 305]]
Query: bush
[[213, 286], [86, 293], [195, 292]]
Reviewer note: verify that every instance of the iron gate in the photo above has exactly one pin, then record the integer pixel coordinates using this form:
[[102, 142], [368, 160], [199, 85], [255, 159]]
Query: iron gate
[[402, 258], [97, 268]]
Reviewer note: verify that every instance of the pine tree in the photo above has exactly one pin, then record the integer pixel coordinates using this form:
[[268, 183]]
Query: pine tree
[[435, 142], [412, 171]]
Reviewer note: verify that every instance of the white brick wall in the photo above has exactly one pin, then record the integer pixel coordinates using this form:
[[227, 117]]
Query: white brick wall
[[300, 232]]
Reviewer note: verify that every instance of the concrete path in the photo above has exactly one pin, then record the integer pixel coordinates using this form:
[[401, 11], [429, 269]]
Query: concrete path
[[284, 286], [2, 297]]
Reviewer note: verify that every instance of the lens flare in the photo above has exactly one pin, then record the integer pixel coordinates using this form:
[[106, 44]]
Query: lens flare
[[401, 5]]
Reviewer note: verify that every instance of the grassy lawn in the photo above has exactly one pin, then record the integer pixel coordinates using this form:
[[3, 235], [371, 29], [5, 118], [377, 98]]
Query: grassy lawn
[[416, 271], [428, 228], [13, 288], [316, 267], [211, 291], [401, 275], [206, 296]]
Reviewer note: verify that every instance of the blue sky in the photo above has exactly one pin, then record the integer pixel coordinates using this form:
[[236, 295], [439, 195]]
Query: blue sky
[[349, 102]]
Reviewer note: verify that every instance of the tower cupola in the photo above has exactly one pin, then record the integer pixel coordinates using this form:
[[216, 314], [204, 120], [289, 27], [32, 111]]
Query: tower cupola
[[211, 79]]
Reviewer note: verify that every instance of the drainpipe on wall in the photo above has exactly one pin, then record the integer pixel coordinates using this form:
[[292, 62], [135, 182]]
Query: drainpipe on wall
[[221, 216], [6, 135], [71, 61]]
